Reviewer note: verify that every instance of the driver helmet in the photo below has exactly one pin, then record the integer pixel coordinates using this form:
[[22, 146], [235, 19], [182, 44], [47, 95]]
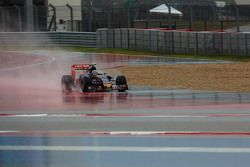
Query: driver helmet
[[91, 68]]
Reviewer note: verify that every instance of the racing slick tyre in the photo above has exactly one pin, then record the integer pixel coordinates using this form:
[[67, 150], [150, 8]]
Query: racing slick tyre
[[85, 82], [121, 80], [67, 83]]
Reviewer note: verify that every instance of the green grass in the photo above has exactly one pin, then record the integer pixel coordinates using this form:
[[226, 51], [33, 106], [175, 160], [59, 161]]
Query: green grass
[[148, 53], [112, 50], [133, 53]]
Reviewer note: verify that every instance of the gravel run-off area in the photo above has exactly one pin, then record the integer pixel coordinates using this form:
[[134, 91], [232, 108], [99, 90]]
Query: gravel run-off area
[[233, 77]]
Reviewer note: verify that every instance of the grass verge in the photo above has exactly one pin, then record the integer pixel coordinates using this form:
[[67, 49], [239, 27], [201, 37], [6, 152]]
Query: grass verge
[[149, 53], [236, 58]]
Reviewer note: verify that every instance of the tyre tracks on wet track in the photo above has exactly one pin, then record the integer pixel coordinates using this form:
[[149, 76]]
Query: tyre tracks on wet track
[[143, 110]]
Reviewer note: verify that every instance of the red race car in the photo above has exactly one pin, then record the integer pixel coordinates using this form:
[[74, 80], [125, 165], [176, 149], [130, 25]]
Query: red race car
[[87, 78]]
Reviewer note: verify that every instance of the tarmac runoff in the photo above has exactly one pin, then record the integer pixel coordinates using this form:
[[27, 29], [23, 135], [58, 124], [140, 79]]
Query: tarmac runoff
[[125, 151], [197, 123]]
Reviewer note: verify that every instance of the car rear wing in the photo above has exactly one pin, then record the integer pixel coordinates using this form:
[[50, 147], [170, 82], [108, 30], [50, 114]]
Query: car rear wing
[[75, 67], [81, 66]]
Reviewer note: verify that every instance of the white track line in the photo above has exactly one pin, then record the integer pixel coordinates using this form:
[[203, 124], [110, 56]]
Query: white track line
[[31, 115], [9, 131], [128, 115], [103, 115], [125, 149], [52, 58], [123, 133]]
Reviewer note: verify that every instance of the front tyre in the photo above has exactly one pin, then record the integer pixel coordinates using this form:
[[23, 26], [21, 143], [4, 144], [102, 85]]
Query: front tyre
[[121, 82]]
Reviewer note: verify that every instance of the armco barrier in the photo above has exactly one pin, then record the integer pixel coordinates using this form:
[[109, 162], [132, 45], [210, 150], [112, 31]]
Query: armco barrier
[[85, 39], [176, 42]]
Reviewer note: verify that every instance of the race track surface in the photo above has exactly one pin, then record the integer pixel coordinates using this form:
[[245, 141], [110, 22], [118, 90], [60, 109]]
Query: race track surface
[[147, 126]]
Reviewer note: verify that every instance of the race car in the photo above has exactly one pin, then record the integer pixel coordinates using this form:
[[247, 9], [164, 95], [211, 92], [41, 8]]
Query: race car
[[86, 78]]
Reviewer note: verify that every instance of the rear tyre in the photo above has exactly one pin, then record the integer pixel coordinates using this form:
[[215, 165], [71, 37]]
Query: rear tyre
[[121, 80], [85, 83], [67, 83]]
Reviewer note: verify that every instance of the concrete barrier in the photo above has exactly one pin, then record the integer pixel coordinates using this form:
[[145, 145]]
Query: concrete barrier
[[51, 39], [139, 39], [176, 42], [132, 39]]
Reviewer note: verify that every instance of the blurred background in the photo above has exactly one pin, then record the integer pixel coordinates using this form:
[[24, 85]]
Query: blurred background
[[89, 15]]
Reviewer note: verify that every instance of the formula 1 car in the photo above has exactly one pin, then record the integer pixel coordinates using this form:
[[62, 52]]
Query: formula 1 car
[[85, 77]]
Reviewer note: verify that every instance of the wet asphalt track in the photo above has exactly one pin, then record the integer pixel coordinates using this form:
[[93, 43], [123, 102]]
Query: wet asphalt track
[[39, 126]]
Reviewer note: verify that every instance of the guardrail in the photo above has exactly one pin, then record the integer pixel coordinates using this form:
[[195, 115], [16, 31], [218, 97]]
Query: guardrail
[[84, 39]]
